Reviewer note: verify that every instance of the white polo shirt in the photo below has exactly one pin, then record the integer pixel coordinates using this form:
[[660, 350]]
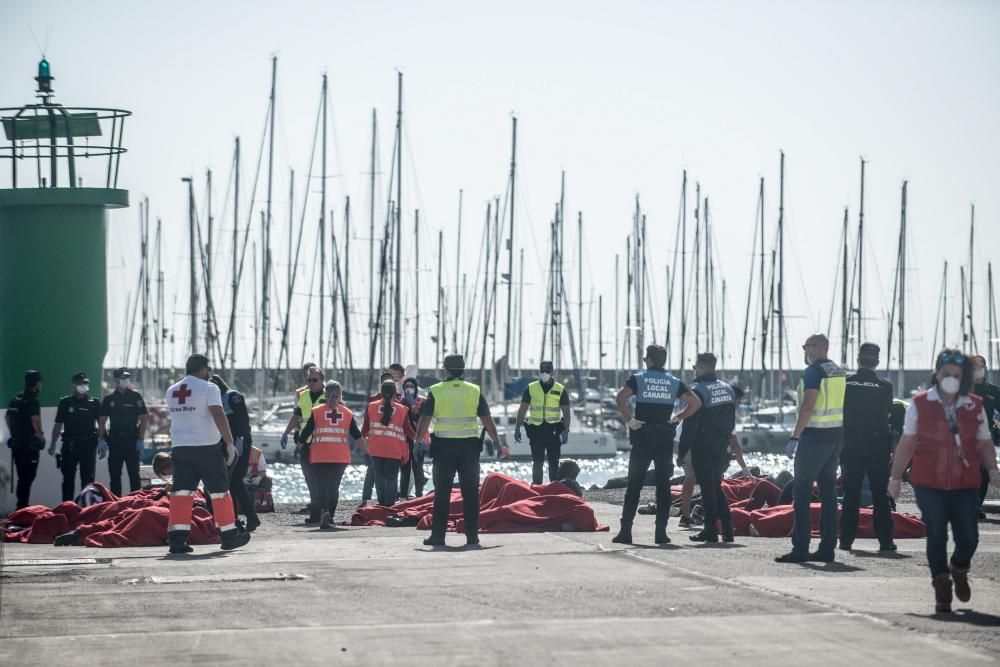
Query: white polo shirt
[[191, 424], [910, 421]]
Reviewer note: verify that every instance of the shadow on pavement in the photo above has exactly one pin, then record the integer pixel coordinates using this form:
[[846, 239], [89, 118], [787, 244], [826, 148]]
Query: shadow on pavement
[[205, 556], [831, 567], [967, 616], [884, 555]]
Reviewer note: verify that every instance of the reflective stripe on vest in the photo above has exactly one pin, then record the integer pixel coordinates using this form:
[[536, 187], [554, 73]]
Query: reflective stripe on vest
[[829, 409], [455, 405], [544, 406], [306, 406]]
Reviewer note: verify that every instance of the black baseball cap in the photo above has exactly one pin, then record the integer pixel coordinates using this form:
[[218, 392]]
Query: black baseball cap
[[80, 378], [121, 373], [545, 367]]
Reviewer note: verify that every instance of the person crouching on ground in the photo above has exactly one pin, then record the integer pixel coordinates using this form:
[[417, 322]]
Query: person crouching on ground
[[387, 427], [329, 426], [946, 438]]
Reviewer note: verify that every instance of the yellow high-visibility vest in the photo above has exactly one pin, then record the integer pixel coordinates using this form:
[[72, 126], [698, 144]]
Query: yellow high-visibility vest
[[829, 409], [455, 405], [306, 405], [544, 406]]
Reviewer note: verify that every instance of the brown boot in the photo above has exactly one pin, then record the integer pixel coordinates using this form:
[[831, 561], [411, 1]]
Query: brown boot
[[942, 593], [960, 575]]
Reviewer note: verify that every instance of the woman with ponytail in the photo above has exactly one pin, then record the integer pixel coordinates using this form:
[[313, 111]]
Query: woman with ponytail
[[387, 426]]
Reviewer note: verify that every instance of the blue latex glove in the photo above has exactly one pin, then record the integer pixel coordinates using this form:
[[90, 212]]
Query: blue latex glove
[[52, 448], [284, 443], [793, 444], [139, 444], [102, 448], [239, 446], [563, 436], [517, 434]]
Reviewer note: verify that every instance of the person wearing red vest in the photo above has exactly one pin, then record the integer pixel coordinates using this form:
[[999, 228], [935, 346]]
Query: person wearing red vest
[[387, 426], [947, 439], [331, 426]]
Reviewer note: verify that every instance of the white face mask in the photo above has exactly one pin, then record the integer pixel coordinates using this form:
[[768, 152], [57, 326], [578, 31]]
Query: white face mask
[[979, 374], [949, 385], [82, 388], [545, 376], [123, 383]]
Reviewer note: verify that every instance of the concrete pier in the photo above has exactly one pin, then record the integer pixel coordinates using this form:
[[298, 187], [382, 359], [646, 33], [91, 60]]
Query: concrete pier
[[296, 595]]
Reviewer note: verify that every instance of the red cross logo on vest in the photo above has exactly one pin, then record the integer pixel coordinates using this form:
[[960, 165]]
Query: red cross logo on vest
[[334, 416], [181, 394]]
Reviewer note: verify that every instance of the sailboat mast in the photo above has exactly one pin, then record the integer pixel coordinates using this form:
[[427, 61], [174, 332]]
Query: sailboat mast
[[617, 325], [697, 268], [265, 304], [209, 318], [346, 288], [520, 311], [371, 230], [683, 223], [397, 329], [416, 283], [192, 270], [458, 273], [900, 376], [861, 257], [439, 337], [944, 312], [579, 285], [231, 335], [972, 236], [781, 287], [991, 312], [510, 239], [322, 233]]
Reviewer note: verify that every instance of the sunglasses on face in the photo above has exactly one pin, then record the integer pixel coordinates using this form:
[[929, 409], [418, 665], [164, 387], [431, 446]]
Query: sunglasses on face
[[952, 359], [808, 345]]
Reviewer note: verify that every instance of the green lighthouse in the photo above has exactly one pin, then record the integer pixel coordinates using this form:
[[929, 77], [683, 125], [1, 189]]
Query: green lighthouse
[[62, 167]]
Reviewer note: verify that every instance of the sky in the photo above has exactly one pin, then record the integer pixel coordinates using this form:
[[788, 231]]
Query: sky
[[621, 96]]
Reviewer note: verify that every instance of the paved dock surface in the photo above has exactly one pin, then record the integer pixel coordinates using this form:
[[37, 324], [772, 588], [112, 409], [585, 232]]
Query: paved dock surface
[[296, 595]]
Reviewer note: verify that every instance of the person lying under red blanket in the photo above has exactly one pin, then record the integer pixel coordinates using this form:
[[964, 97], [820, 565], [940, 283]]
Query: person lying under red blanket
[[777, 522], [136, 520], [506, 505]]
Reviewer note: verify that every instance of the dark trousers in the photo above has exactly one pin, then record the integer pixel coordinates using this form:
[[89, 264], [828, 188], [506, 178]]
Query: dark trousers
[[239, 491], [416, 464], [26, 464], [708, 457], [815, 461], [204, 463], [307, 474], [984, 485], [121, 451], [82, 453], [386, 480], [656, 447], [939, 509], [369, 483], [545, 445], [854, 472], [327, 479], [456, 455]]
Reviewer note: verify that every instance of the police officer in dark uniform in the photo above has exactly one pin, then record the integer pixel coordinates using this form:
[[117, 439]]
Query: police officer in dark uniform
[[235, 406], [76, 421], [651, 433], [127, 412], [547, 422], [867, 449], [707, 433], [456, 408], [990, 394], [27, 440]]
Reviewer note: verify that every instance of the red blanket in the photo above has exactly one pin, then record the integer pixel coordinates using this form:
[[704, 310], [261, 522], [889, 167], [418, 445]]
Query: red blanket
[[136, 520], [506, 505]]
